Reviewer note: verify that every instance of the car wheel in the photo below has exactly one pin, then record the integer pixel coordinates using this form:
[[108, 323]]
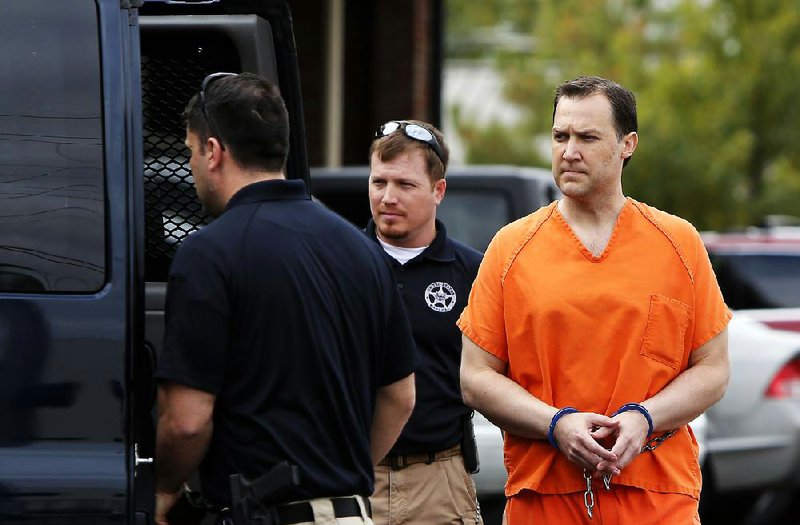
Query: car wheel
[[723, 509], [492, 509]]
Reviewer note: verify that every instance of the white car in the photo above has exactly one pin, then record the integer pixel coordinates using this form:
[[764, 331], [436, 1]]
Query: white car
[[490, 481], [754, 431]]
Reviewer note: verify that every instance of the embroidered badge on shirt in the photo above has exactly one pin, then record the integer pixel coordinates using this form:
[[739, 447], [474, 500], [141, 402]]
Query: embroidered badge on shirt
[[441, 297]]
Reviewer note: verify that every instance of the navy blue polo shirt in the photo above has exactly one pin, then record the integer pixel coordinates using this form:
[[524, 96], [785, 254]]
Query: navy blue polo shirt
[[435, 287], [290, 317]]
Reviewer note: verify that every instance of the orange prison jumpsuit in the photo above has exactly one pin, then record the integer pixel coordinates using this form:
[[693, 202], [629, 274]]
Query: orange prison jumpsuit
[[596, 333]]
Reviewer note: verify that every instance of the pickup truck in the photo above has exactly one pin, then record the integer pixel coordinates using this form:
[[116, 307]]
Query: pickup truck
[[96, 195], [479, 200]]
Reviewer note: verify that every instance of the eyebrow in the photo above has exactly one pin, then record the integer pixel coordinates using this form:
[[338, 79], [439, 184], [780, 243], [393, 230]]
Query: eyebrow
[[398, 180], [587, 131]]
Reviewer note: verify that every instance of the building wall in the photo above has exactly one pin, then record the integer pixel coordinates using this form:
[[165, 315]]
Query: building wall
[[391, 69]]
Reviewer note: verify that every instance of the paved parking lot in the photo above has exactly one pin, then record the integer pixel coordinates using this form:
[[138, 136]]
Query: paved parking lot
[[744, 510], [736, 515]]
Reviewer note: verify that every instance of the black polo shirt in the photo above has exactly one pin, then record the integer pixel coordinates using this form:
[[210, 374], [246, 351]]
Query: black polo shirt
[[435, 286], [289, 315]]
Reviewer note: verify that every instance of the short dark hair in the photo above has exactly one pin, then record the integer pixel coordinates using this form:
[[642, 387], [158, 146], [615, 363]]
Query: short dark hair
[[393, 145], [621, 100], [249, 118]]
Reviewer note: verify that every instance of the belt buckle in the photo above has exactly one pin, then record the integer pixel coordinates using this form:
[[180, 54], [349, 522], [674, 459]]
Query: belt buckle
[[398, 461]]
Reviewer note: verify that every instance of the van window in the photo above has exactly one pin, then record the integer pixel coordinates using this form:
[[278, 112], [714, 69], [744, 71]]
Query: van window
[[52, 220], [473, 217]]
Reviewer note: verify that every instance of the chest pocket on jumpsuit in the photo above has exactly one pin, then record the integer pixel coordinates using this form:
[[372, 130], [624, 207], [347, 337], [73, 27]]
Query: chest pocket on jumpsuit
[[664, 335]]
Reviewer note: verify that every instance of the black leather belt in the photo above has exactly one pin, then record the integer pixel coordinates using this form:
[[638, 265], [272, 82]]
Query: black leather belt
[[303, 512], [401, 461]]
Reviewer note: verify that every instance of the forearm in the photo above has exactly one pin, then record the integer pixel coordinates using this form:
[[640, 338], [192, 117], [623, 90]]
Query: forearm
[[393, 407], [506, 404], [185, 424], [178, 454], [688, 396], [695, 390], [385, 431]]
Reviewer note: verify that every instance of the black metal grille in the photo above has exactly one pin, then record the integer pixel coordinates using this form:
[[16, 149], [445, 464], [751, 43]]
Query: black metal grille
[[171, 75]]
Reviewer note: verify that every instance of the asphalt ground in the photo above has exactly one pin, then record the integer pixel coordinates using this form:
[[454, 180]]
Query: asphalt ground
[[739, 509]]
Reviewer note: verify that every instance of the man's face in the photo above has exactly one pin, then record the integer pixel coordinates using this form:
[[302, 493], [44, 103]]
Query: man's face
[[403, 200], [203, 185], [587, 156]]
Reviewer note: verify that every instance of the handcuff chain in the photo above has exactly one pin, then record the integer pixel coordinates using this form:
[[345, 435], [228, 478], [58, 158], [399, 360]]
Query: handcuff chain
[[607, 481], [658, 441], [588, 496]]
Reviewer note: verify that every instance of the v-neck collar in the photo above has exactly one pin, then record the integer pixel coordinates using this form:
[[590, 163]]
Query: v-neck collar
[[611, 240]]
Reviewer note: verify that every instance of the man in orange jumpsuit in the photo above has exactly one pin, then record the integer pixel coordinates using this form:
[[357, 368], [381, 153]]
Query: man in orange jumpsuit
[[594, 333]]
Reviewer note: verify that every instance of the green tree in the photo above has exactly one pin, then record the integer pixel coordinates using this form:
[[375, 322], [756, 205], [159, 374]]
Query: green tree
[[718, 90]]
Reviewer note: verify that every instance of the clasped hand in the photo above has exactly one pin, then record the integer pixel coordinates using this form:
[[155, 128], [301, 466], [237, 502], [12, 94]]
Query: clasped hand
[[602, 444]]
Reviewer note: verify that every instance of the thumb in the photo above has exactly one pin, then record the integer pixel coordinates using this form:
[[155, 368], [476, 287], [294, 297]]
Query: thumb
[[599, 420], [602, 432]]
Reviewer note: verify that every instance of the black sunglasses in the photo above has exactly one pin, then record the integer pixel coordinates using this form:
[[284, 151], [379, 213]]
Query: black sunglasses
[[412, 131], [203, 86]]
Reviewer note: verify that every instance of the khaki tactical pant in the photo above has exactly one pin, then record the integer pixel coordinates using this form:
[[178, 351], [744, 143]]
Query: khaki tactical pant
[[439, 493]]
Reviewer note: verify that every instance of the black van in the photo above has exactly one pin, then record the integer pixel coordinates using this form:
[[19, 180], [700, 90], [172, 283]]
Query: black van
[[95, 195]]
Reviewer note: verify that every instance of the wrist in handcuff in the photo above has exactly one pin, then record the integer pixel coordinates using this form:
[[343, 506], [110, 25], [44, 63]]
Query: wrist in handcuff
[[551, 429], [628, 407]]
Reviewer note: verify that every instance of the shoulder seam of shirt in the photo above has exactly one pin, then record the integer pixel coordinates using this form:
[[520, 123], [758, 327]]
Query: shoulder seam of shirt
[[650, 216], [543, 215]]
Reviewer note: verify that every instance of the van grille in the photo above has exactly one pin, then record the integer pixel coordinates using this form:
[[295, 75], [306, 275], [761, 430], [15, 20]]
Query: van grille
[[171, 74], [171, 207]]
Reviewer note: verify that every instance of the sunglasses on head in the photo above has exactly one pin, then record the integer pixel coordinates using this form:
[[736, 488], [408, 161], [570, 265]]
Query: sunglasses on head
[[412, 131], [203, 86]]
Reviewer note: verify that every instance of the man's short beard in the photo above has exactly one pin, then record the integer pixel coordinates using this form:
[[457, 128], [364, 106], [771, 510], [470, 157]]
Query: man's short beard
[[393, 235]]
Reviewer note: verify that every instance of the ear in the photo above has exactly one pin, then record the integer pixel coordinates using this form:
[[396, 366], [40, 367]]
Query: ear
[[439, 189], [214, 152], [630, 141]]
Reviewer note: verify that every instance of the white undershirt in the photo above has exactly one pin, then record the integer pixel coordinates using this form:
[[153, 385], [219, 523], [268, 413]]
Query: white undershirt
[[401, 255]]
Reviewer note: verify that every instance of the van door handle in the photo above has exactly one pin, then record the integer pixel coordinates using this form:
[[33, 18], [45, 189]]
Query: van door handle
[[137, 460]]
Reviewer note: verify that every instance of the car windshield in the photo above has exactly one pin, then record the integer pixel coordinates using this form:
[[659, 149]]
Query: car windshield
[[759, 280], [473, 217]]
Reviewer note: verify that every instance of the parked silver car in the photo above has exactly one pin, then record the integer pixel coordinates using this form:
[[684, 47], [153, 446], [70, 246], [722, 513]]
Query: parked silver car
[[754, 431], [490, 481]]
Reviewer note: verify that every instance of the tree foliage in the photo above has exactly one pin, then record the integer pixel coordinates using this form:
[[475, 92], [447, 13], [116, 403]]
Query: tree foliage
[[717, 85]]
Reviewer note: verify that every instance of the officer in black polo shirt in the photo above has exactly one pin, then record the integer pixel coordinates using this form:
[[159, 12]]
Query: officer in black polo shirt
[[286, 339], [423, 479]]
